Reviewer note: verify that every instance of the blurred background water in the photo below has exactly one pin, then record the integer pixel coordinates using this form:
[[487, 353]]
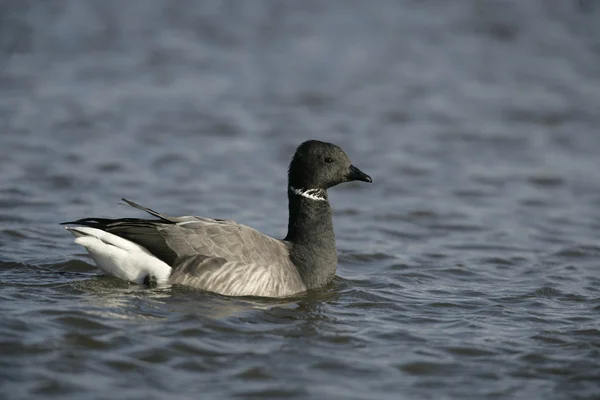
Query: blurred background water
[[469, 269]]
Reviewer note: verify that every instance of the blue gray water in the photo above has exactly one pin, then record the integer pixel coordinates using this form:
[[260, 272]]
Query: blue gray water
[[470, 268]]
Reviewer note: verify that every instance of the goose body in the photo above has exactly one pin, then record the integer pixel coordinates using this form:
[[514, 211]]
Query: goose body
[[225, 257]]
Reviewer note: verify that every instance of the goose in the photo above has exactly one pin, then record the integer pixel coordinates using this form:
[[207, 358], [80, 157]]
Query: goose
[[225, 257]]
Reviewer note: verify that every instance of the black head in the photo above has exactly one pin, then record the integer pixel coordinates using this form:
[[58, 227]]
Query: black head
[[320, 165]]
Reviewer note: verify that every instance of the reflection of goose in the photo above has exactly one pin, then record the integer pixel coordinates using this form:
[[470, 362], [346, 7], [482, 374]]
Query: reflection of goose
[[225, 257]]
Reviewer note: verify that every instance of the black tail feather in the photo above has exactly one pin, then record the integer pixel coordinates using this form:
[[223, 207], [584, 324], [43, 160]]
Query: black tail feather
[[103, 223], [148, 210]]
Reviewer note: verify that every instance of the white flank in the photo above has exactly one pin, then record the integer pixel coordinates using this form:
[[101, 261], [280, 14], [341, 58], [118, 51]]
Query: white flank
[[313, 194], [120, 257]]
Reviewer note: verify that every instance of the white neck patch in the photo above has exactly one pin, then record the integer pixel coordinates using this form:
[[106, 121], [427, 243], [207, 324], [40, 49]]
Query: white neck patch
[[312, 194]]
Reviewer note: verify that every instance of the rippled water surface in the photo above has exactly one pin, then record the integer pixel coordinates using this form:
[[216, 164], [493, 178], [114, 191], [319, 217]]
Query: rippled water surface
[[470, 268]]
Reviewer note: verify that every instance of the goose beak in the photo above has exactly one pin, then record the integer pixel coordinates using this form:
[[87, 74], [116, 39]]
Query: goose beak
[[356, 174]]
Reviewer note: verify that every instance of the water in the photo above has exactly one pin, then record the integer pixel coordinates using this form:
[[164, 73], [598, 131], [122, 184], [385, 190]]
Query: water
[[468, 269]]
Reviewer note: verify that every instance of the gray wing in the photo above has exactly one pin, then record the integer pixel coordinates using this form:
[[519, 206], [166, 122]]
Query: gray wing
[[170, 238], [191, 235], [221, 238]]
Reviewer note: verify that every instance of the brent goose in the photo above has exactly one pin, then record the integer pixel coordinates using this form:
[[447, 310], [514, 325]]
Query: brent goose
[[225, 257]]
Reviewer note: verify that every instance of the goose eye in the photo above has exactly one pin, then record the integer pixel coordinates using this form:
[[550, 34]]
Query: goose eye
[[329, 160]]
